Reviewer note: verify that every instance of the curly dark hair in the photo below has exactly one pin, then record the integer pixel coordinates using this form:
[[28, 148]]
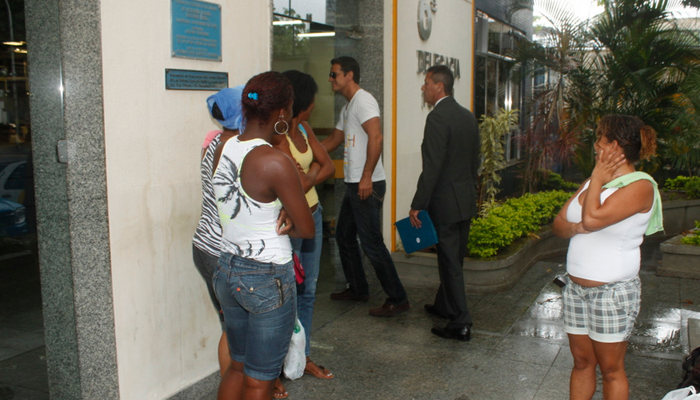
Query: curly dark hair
[[305, 89], [265, 93], [638, 141]]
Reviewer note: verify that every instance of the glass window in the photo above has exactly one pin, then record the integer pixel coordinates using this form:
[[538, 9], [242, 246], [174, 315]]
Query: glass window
[[480, 86], [491, 85], [494, 38], [503, 84], [17, 178], [494, 84], [311, 10]]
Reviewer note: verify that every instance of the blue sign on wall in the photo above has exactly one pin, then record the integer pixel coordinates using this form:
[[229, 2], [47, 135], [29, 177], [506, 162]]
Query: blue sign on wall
[[183, 79], [196, 30]]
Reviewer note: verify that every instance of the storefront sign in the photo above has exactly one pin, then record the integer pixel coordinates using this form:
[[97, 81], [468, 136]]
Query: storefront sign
[[196, 30], [427, 59], [182, 79]]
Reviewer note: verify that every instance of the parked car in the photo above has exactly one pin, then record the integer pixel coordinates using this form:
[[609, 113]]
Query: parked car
[[13, 218], [14, 180]]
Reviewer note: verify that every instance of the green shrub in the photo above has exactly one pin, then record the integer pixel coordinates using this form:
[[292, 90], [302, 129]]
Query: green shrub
[[515, 218], [690, 185], [693, 238], [692, 188], [552, 181]]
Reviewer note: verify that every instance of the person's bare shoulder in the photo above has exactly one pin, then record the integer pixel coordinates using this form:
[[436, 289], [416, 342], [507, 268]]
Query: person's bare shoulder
[[269, 160]]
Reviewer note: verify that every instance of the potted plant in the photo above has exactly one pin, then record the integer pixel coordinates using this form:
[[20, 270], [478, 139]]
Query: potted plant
[[681, 255]]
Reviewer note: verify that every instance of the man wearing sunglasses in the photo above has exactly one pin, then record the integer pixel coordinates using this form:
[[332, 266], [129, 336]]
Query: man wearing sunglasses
[[360, 127]]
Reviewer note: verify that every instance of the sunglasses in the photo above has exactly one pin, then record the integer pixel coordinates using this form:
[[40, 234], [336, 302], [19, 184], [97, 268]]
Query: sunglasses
[[332, 75]]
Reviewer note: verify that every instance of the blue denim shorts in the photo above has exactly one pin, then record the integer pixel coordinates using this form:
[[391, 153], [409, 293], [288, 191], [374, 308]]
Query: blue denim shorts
[[259, 302]]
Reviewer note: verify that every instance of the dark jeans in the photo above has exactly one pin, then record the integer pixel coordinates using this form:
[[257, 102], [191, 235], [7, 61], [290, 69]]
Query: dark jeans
[[361, 218], [206, 265]]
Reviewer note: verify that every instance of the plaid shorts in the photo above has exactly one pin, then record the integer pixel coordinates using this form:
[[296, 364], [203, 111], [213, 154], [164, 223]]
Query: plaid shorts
[[605, 313]]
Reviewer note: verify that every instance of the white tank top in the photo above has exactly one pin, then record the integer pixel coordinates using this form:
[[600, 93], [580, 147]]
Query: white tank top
[[611, 254], [248, 226]]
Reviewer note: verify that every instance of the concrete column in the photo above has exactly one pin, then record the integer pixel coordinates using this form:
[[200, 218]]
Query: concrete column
[[65, 76]]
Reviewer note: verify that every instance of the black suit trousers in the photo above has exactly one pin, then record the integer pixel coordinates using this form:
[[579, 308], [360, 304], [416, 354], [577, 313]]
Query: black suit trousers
[[451, 298]]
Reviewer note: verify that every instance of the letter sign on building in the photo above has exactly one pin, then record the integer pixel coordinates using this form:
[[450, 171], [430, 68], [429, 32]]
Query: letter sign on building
[[426, 9]]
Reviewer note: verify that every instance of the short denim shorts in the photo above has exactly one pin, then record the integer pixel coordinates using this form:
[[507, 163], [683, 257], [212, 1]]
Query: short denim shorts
[[259, 302], [605, 313]]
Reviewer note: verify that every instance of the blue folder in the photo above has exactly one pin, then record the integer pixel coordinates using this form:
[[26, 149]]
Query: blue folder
[[415, 239]]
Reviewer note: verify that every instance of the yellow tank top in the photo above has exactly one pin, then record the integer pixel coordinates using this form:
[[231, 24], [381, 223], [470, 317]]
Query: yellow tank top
[[304, 159]]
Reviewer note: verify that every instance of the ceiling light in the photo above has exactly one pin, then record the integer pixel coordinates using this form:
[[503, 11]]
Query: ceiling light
[[317, 34], [290, 22]]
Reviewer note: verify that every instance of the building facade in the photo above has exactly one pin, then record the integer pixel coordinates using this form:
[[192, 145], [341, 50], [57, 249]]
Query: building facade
[[116, 152]]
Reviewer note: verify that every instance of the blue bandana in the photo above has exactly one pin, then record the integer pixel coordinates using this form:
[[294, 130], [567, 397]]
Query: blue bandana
[[229, 102]]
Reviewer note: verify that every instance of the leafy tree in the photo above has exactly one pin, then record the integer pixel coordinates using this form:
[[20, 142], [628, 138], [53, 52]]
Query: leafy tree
[[550, 138], [631, 59], [647, 66]]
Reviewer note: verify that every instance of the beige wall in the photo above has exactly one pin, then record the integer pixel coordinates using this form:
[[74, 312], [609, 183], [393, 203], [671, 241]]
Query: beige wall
[[166, 329], [451, 36]]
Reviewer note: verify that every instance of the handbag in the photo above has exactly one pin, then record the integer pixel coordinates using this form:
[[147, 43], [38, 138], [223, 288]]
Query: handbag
[[299, 274]]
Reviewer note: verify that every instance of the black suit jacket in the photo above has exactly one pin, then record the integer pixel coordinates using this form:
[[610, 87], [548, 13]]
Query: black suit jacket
[[450, 150]]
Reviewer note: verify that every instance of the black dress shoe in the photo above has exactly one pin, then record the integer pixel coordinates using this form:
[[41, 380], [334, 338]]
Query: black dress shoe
[[432, 310], [463, 334]]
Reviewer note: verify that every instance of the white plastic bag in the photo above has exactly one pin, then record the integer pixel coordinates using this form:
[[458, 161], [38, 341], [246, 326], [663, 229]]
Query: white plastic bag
[[682, 394], [295, 361]]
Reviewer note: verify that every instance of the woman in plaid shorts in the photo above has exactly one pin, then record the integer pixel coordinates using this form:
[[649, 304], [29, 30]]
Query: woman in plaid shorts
[[606, 220]]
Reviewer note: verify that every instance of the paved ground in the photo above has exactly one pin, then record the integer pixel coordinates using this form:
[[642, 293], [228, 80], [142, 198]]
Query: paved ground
[[518, 349]]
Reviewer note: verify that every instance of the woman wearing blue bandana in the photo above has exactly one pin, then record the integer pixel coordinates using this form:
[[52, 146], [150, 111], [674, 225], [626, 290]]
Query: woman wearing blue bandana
[[606, 221], [225, 107]]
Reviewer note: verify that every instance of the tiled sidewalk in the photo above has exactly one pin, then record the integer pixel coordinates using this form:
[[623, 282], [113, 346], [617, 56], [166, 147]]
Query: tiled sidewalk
[[518, 349]]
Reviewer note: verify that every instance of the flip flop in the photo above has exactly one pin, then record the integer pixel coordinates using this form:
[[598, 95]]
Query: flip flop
[[323, 374], [279, 392]]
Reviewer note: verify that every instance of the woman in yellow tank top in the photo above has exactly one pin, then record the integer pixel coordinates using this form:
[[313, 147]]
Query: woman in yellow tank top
[[315, 166]]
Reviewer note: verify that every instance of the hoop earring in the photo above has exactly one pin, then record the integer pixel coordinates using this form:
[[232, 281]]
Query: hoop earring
[[286, 126]]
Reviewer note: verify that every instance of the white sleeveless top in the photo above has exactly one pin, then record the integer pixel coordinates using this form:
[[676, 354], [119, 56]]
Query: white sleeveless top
[[249, 226], [611, 254]]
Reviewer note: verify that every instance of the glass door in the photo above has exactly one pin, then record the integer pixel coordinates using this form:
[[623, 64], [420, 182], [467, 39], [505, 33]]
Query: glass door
[[22, 353]]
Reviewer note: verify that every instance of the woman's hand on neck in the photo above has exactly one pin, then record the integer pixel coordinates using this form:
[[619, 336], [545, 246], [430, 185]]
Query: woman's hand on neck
[[608, 165]]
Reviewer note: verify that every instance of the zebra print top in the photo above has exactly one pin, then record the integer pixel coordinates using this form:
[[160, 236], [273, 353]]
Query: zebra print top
[[207, 237]]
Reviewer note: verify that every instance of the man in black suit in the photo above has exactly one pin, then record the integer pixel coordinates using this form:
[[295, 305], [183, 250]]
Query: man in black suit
[[447, 190]]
